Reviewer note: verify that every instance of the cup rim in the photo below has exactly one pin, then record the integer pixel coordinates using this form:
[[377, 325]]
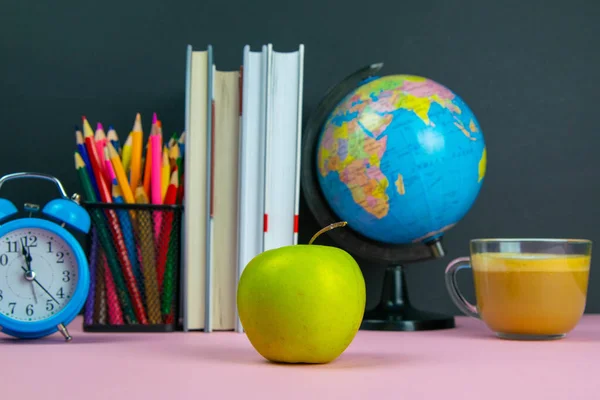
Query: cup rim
[[538, 240]]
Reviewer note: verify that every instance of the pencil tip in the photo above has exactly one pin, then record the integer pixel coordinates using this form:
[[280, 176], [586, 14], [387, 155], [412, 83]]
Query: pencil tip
[[83, 118], [77, 127], [110, 128], [99, 126]]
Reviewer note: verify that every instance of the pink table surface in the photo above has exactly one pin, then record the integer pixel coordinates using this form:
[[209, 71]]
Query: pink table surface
[[462, 363]]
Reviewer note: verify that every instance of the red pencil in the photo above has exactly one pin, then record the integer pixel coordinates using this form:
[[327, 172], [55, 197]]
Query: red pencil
[[113, 223], [90, 144], [170, 199]]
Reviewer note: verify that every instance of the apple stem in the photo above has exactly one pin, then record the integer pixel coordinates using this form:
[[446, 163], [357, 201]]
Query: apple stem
[[327, 228]]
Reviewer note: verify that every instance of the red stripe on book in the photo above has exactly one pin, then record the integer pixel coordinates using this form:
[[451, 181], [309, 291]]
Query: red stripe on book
[[295, 224], [212, 158], [266, 223]]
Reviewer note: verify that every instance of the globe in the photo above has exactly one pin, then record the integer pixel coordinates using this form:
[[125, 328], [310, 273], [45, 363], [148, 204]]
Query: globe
[[401, 159]]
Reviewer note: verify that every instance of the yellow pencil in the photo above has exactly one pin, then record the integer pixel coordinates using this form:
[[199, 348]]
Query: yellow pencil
[[126, 154], [174, 155], [165, 173], [87, 129], [136, 152], [148, 252], [120, 173], [141, 197]]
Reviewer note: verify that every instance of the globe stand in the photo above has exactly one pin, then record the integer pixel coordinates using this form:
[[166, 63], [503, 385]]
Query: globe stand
[[395, 312]]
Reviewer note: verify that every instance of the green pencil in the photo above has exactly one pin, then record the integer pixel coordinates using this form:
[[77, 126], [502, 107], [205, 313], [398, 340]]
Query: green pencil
[[168, 292], [104, 237]]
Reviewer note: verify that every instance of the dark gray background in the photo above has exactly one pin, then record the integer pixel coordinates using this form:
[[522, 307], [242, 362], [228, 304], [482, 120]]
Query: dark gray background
[[528, 70]]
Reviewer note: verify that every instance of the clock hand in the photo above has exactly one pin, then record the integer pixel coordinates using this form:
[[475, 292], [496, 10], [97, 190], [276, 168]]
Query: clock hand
[[28, 272], [26, 254], [30, 276], [33, 290]]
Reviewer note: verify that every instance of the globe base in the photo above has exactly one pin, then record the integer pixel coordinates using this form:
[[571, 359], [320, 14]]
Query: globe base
[[394, 311], [411, 319]]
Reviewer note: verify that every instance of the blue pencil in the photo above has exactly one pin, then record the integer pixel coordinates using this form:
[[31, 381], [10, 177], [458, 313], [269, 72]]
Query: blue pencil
[[128, 234], [84, 155], [113, 138]]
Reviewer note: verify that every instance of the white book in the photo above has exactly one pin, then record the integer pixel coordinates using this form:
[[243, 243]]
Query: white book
[[284, 123], [194, 245], [251, 178], [225, 199], [208, 292]]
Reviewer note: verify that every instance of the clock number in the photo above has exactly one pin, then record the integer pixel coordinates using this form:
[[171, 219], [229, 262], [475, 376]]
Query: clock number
[[12, 305], [66, 276], [3, 259], [60, 257], [49, 305], [29, 310], [30, 241], [12, 247], [1, 297], [60, 294], [49, 247]]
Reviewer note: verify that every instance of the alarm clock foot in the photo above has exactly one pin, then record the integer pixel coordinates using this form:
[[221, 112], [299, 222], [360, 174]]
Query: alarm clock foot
[[65, 332]]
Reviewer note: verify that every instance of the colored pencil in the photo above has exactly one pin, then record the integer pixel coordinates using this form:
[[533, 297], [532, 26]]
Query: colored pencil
[[100, 306], [168, 291], [181, 142], [172, 253], [148, 168], [148, 259], [84, 155], [88, 314], [172, 140], [155, 186], [126, 154], [181, 145], [165, 174], [90, 145], [113, 138], [105, 238], [115, 315], [136, 152], [163, 243], [125, 189], [100, 139], [108, 167], [173, 156], [156, 153], [128, 233]]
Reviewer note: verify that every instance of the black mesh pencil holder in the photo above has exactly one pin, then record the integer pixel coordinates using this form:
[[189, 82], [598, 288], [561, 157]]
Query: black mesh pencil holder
[[134, 257]]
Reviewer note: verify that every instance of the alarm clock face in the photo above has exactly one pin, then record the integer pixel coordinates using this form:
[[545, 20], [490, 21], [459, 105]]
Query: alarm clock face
[[38, 274]]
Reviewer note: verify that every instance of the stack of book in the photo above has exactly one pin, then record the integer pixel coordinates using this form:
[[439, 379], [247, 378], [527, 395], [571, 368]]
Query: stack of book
[[242, 180]]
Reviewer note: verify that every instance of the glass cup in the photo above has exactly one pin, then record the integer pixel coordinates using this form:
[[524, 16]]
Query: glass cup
[[525, 289]]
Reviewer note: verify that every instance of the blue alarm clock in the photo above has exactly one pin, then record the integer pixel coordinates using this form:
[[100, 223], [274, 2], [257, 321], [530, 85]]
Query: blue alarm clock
[[44, 273]]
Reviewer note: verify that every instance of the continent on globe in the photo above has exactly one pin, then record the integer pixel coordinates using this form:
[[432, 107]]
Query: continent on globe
[[401, 158]]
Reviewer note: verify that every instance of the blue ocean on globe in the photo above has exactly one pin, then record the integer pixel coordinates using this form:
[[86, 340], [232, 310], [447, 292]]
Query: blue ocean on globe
[[402, 159]]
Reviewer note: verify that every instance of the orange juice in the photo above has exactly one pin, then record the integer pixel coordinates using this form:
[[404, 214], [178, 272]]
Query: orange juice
[[530, 294]]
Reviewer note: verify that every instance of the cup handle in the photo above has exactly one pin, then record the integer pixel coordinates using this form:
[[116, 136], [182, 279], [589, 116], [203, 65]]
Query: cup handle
[[452, 286]]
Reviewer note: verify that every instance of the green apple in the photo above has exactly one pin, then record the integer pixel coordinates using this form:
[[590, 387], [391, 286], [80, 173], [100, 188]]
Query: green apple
[[302, 303]]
